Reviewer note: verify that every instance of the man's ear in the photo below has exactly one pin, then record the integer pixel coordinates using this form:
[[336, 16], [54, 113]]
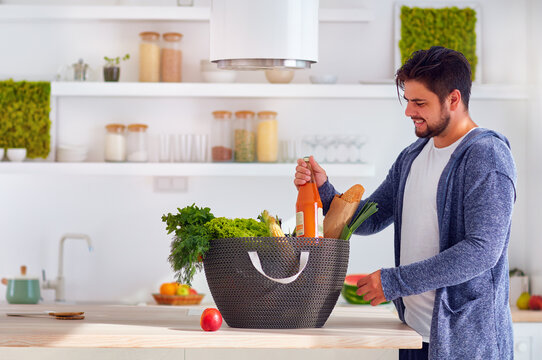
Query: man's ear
[[455, 99]]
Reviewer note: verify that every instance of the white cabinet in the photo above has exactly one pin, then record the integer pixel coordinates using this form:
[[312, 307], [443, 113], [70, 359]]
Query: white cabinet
[[527, 341]]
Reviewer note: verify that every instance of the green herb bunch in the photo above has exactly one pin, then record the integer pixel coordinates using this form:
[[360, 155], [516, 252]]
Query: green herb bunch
[[220, 228], [194, 228], [191, 240]]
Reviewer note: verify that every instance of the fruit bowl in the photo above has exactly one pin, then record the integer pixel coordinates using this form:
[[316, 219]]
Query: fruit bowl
[[192, 299]]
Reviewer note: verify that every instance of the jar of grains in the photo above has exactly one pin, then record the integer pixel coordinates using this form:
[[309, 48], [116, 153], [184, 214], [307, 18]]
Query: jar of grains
[[115, 143], [244, 137], [149, 57], [136, 143], [267, 140], [221, 138], [171, 58]]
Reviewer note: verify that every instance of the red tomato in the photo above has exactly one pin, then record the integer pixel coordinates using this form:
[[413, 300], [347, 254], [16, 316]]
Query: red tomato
[[211, 319]]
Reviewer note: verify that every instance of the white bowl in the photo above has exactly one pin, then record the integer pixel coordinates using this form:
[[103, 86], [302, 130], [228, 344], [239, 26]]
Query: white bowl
[[16, 154], [219, 76], [323, 79], [276, 76], [71, 153]]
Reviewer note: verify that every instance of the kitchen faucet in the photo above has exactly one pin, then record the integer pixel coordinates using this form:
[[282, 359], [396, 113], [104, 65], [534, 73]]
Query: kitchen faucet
[[58, 284]]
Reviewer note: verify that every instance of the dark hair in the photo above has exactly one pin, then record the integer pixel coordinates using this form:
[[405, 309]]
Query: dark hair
[[440, 69]]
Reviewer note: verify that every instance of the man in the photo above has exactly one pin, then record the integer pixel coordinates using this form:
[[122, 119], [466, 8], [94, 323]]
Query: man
[[450, 196]]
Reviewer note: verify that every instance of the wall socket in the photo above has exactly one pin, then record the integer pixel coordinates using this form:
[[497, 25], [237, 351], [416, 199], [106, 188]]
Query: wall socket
[[170, 184]]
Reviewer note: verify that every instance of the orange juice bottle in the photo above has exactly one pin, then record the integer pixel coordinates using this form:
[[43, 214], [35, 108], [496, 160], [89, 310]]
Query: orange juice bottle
[[309, 212]]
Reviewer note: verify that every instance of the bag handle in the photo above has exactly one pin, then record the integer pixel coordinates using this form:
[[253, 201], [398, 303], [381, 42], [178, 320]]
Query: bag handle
[[303, 260]]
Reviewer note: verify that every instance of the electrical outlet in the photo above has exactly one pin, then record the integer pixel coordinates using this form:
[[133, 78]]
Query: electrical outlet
[[170, 183]]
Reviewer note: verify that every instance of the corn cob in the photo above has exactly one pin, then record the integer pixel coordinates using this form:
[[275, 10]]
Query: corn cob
[[275, 229], [272, 224]]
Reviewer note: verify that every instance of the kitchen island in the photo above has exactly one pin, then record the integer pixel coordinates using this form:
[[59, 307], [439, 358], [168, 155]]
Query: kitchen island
[[153, 326], [111, 332]]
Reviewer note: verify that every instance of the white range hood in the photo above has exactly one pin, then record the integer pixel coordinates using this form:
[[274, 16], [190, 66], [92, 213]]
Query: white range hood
[[264, 34]]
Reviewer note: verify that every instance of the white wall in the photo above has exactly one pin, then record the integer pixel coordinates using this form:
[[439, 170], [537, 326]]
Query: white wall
[[122, 214]]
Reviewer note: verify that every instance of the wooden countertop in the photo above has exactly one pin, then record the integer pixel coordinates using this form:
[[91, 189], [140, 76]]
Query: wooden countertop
[[154, 326], [525, 315]]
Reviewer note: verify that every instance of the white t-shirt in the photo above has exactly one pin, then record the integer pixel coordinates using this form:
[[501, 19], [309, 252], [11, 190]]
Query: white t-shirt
[[419, 229]]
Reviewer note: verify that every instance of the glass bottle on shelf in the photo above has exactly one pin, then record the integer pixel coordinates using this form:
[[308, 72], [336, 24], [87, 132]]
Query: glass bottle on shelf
[[267, 141], [221, 137], [171, 58], [309, 211], [244, 137], [149, 57], [136, 143], [115, 143]]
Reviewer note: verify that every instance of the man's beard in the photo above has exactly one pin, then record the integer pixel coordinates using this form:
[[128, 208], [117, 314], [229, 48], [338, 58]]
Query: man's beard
[[438, 128]]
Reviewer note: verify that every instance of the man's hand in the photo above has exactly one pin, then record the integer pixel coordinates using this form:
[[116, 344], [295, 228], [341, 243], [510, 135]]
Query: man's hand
[[370, 287], [303, 175]]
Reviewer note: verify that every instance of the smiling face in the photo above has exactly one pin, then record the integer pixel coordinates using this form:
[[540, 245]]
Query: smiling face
[[430, 117]]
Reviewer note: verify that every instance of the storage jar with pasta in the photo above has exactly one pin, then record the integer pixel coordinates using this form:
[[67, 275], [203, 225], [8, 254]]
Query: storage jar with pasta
[[171, 57], [267, 141], [149, 57], [244, 137]]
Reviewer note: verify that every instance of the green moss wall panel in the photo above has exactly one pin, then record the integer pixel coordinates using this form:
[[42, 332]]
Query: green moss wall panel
[[450, 27], [24, 116]]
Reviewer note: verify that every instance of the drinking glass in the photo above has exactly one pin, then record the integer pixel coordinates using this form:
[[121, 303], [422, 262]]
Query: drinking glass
[[185, 145], [201, 144], [320, 148], [164, 150], [359, 142], [283, 151], [341, 146], [292, 152], [312, 148]]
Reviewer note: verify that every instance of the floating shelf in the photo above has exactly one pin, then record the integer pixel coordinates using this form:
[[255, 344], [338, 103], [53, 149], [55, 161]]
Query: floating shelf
[[177, 169], [75, 12], [262, 90]]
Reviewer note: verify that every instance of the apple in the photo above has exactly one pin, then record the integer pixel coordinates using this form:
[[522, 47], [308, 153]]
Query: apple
[[535, 302], [211, 319], [183, 289], [192, 291]]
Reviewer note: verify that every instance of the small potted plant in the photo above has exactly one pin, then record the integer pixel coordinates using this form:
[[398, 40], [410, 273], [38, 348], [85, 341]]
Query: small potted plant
[[111, 68]]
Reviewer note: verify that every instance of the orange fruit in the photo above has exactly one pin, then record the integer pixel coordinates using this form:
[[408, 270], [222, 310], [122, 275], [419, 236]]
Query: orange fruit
[[168, 289]]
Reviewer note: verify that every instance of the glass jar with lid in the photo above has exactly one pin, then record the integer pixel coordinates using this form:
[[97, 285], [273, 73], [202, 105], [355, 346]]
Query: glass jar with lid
[[171, 57], [267, 140], [221, 137], [136, 143], [149, 57], [115, 143], [244, 137]]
